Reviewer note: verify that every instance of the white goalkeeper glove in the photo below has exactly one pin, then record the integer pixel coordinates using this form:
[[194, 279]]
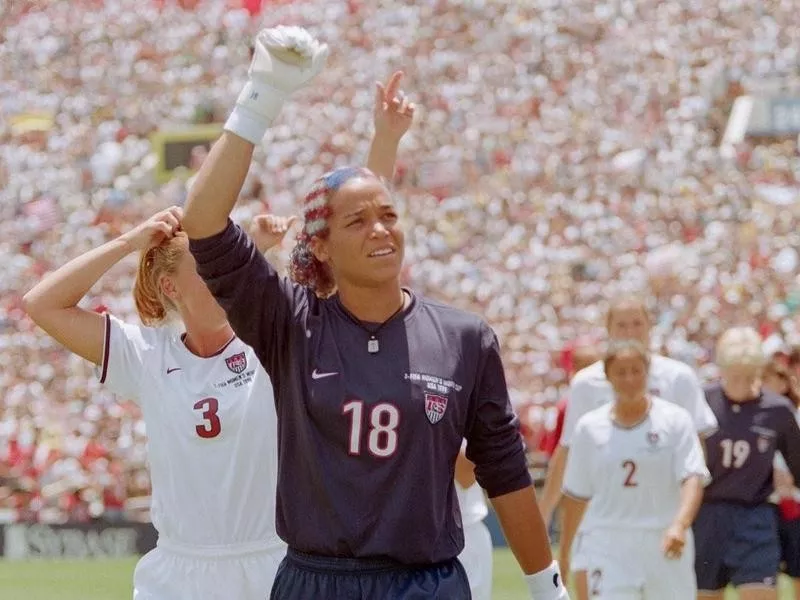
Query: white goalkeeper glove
[[285, 59], [547, 584]]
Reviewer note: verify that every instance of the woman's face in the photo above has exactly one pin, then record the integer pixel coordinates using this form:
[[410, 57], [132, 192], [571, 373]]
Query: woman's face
[[365, 243], [190, 292], [627, 374], [741, 382]]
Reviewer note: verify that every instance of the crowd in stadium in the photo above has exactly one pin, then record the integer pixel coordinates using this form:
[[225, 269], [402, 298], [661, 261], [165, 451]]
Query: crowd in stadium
[[561, 154]]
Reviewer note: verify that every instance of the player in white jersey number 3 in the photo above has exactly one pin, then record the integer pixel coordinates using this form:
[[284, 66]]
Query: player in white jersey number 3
[[207, 405], [638, 465]]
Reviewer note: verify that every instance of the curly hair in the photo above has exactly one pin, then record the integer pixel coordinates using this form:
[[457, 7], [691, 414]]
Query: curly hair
[[304, 267]]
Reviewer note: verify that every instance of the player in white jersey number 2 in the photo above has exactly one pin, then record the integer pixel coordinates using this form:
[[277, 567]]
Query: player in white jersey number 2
[[205, 398], [638, 465], [668, 379]]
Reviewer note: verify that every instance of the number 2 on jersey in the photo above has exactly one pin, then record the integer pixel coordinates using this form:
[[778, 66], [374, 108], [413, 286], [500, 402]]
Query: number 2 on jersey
[[630, 469], [211, 425], [595, 579], [382, 438]]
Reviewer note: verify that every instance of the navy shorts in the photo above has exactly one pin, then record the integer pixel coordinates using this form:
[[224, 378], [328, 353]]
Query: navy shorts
[[302, 576], [789, 531], [736, 544]]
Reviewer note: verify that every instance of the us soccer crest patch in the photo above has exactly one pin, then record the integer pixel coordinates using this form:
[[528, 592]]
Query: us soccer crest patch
[[237, 363], [434, 407]]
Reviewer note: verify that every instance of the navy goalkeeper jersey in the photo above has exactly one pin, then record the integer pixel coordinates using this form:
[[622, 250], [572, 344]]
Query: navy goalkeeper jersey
[[367, 442]]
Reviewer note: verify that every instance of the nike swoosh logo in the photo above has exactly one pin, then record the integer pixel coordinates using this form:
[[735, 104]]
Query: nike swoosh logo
[[173, 369], [317, 375]]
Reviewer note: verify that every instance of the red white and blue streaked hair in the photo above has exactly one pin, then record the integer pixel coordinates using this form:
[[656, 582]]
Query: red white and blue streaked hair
[[304, 268]]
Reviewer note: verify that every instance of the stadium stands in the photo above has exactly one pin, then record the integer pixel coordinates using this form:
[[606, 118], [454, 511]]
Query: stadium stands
[[562, 153]]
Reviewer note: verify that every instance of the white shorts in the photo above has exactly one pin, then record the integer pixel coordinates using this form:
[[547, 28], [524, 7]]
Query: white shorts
[[477, 560], [177, 572], [578, 560], [629, 565]]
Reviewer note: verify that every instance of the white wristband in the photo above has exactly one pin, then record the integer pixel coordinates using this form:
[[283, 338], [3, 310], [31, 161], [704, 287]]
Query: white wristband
[[247, 124], [256, 108], [547, 584]]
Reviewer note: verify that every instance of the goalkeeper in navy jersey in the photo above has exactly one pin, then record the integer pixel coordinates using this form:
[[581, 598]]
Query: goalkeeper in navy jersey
[[375, 386]]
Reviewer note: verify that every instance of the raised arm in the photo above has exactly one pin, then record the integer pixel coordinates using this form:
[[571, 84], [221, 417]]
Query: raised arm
[[258, 302], [53, 302], [216, 189], [285, 59], [393, 115]]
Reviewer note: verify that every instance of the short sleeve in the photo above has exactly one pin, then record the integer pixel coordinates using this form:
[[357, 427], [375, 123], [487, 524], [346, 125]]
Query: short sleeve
[[580, 467], [124, 350], [689, 394], [689, 459]]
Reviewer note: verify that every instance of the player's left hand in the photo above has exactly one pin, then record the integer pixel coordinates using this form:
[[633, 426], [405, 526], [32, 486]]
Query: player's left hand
[[268, 231], [674, 541], [393, 111]]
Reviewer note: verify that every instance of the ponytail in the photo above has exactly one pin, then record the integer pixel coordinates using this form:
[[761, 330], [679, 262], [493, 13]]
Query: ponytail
[[152, 304]]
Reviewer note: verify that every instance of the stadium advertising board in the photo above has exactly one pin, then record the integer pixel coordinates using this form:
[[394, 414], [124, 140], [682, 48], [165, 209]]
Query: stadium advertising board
[[24, 541], [174, 147], [786, 116]]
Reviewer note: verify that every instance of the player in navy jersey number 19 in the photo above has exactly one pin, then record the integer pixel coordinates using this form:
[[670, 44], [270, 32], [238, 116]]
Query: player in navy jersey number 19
[[736, 530], [375, 386], [207, 405]]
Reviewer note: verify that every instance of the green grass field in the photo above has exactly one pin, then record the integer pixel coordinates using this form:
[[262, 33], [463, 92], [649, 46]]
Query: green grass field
[[111, 580]]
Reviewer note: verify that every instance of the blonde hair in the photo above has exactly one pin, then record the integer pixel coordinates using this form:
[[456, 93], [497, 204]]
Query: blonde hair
[[617, 347], [740, 346], [152, 304], [631, 301]]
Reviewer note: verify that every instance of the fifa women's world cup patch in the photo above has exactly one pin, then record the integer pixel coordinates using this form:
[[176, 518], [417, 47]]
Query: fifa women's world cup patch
[[436, 391]]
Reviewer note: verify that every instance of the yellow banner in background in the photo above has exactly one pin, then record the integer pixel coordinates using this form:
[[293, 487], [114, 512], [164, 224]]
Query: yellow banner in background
[[175, 147]]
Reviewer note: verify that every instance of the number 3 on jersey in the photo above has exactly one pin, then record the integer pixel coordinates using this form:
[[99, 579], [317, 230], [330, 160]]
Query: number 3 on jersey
[[211, 426], [383, 421]]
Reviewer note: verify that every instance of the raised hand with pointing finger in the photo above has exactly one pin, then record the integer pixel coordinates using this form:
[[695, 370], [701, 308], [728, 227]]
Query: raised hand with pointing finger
[[394, 112], [269, 230]]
